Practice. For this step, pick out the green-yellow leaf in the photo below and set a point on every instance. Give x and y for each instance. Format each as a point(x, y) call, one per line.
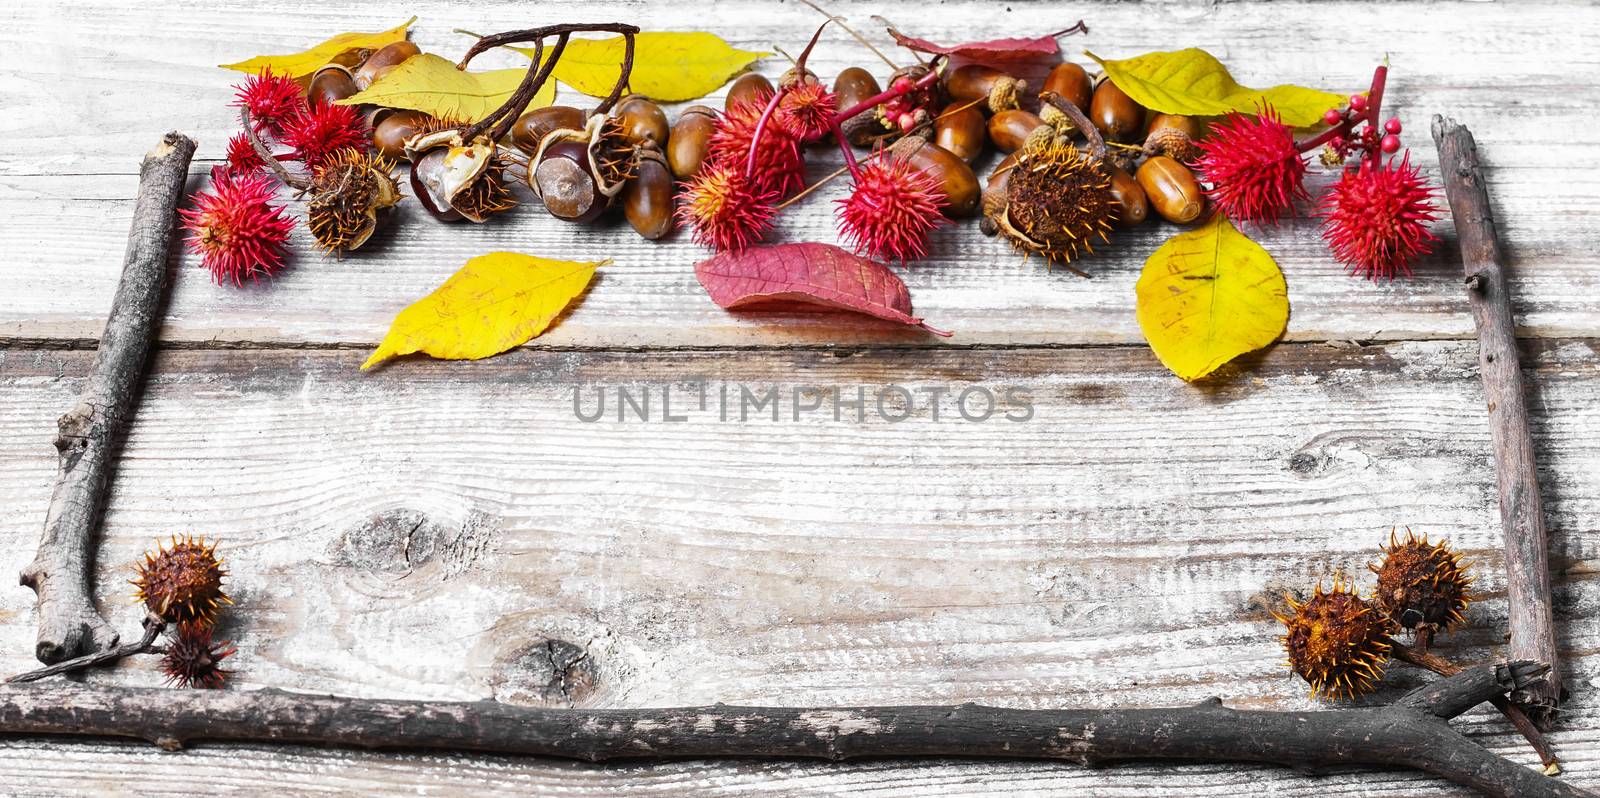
point(495, 302)
point(1209, 295)
point(304, 63)
point(667, 66)
point(432, 84)
point(1194, 83)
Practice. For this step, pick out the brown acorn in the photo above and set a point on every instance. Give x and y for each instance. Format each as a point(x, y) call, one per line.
point(690, 141)
point(647, 199)
point(182, 584)
point(346, 194)
point(852, 87)
point(531, 128)
point(332, 82)
point(1056, 201)
point(1422, 584)
point(1336, 641)
point(750, 87)
point(641, 119)
point(392, 131)
point(386, 58)
point(193, 659)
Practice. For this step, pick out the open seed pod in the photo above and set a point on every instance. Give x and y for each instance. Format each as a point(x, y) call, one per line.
point(456, 179)
point(576, 173)
point(347, 193)
point(1056, 202)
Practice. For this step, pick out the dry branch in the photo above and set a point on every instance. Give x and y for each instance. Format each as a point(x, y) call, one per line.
point(1527, 555)
point(1412, 732)
point(89, 433)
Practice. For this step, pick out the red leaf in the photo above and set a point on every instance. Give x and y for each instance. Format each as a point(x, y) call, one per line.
point(998, 53)
point(817, 274)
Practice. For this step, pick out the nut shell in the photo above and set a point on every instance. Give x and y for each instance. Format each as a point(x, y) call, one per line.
point(647, 198)
point(533, 126)
point(1171, 189)
point(690, 141)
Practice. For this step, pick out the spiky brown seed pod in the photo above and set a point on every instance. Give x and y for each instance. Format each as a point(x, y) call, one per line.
point(182, 584)
point(1421, 583)
point(1057, 202)
point(1336, 641)
point(193, 659)
point(346, 195)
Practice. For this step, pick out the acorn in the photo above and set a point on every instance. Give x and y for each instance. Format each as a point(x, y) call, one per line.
point(182, 584)
point(962, 132)
point(379, 63)
point(1190, 126)
point(1071, 82)
point(1132, 205)
point(1009, 129)
point(852, 87)
point(390, 134)
point(347, 193)
point(1422, 584)
point(1115, 114)
point(690, 141)
point(987, 86)
point(750, 87)
point(956, 178)
point(1056, 201)
point(1337, 642)
point(533, 126)
point(647, 198)
point(791, 78)
point(332, 82)
point(1171, 189)
point(642, 120)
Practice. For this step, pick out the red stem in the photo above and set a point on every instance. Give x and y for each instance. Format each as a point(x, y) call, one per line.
point(1374, 104)
point(889, 94)
point(1348, 124)
point(844, 146)
point(761, 125)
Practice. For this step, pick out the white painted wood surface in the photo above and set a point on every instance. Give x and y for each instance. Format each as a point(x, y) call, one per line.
point(1119, 548)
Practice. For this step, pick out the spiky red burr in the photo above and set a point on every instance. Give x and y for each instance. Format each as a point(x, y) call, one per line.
point(236, 228)
point(725, 210)
point(271, 99)
point(318, 132)
point(1375, 219)
point(242, 156)
point(194, 659)
point(1254, 169)
point(806, 110)
point(891, 210)
point(778, 165)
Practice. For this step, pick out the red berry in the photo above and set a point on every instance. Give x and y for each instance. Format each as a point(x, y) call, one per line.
point(1338, 143)
point(1332, 117)
point(1358, 103)
point(1392, 126)
point(1390, 143)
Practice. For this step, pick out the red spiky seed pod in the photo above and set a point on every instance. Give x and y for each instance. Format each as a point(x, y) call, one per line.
point(271, 100)
point(779, 164)
point(183, 583)
point(317, 132)
point(891, 210)
point(236, 228)
point(1375, 219)
point(806, 110)
point(725, 211)
point(1422, 584)
point(1336, 641)
point(1254, 169)
point(193, 659)
point(242, 156)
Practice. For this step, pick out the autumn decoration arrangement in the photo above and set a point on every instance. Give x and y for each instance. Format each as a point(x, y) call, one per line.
point(363, 121)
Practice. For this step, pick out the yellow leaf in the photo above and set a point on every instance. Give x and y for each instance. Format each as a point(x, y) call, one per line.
point(301, 64)
point(1194, 83)
point(671, 67)
point(495, 302)
point(432, 84)
point(1209, 295)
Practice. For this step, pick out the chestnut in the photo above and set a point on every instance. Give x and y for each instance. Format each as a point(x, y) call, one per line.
point(647, 197)
point(642, 120)
point(961, 132)
point(330, 83)
point(690, 141)
point(1116, 115)
point(1072, 83)
point(1009, 129)
point(390, 134)
point(378, 64)
point(562, 179)
point(750, 87)
point(1171, 189)
point(533, 126)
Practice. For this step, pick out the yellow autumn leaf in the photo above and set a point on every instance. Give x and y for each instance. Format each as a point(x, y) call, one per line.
point(298, 65)
point(1194, 83)
point(1209, 295)
point(495, 302)
point(428, 83)
point(667, 66)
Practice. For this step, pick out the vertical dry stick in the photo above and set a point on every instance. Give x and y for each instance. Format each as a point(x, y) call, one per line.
point(89, 433)
point(1527, 556)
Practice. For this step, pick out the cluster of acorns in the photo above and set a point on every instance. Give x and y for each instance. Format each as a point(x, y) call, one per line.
point(1338, 641)
point(181, 584)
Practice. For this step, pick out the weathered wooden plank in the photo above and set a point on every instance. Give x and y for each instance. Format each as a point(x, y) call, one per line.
point(65, 202)
point(451, 531)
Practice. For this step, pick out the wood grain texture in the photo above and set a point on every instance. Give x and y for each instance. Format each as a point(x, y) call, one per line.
point(450, 531)
point(1478, 61)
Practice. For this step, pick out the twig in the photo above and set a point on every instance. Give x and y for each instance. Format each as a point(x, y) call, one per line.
point(1521, 517)
point(153, 626)
point(89, 433)
point(1422, 658)
point(1411, 733)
